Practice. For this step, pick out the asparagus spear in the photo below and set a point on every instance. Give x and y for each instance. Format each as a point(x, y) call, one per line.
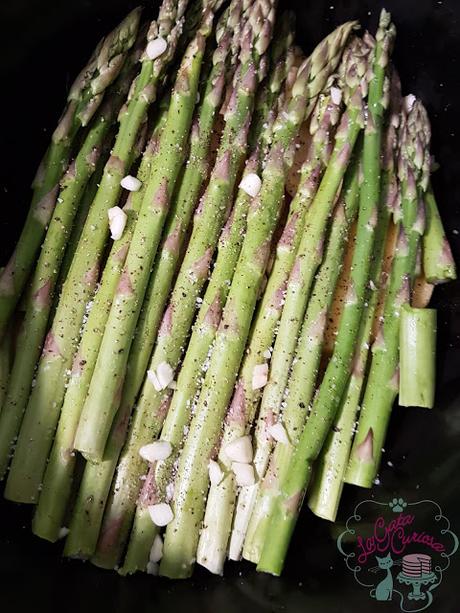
point(104, 394)
point(303, 373)
point(221, 497)
point(178, 317)
point(83, 100)
point(43, 285)
point(382, 382)
point(273, 300)
point(438, 262)
point(57, 481)
point(94, 488)
point(294, 479)
point(329, 473)
point(144, 531)
point(417, 346)
point(80, 217)
point(195, 175)
point(46, 399)
point(192, 476)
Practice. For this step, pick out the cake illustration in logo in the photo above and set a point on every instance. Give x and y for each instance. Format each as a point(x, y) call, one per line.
point(416, 572)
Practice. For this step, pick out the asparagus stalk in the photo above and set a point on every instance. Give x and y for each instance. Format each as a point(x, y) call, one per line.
point(195, 175)
point(57, 481)
point(103, 396)
point(417, 346)
point(144, 531)
point(82, 102)
point(47, 396)
point(304, 370)
point(307, 259)
point(329, 472)
point(97, 477)
point(382, 382)
point(43, 285)
point(178, 317)
point(80, 217)
point(272, 303)
point(438, 262)
point(192, 476)
point(221, 498)
point(293, 482)
point(5, 365)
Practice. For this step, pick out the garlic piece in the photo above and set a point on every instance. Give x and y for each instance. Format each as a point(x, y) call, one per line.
point(156, 47)
point(251, 184)
point(156, 552)
point(161, 514)
point(165, 374)
point(152, 568)
point(336, 95)
point(159, 450)
point(152, 377)
point(278, 432)
point(117, 222)
point(244, 473)
point(215, 472)
point(240, 449)
point(259, 376)
point(130, 183)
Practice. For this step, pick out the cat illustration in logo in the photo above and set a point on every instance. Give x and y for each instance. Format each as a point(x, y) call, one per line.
point(384, 589)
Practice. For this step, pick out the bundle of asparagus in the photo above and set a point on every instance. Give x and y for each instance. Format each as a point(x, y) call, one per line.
point(176, 340)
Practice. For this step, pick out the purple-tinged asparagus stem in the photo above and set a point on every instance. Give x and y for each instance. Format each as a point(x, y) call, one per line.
point(43, 285)
point(84, 98)
point(438, 262)
point(94, 488)
point(178, 317)
point(205, 327)
point(330, 468)
point(383, 379)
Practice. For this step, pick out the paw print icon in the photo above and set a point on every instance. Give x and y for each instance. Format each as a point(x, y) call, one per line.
point(397, 505)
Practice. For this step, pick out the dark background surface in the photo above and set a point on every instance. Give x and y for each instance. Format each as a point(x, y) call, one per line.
point(42, 47)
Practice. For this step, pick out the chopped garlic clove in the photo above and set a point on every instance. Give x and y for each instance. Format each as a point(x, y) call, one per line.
point(156, 47)
point(130, 183)
point(156, 552)
point(152, 568)
point(278, 432)
point(336, 95)
point(259, 376)
point(215, 472)
point(240, 449)
point(152, 377)
point(63, 532)
point(165, 374)
point(244, 473)
point(161, 514)
point(159, 450)
point(251, 184)
point(117, 222)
